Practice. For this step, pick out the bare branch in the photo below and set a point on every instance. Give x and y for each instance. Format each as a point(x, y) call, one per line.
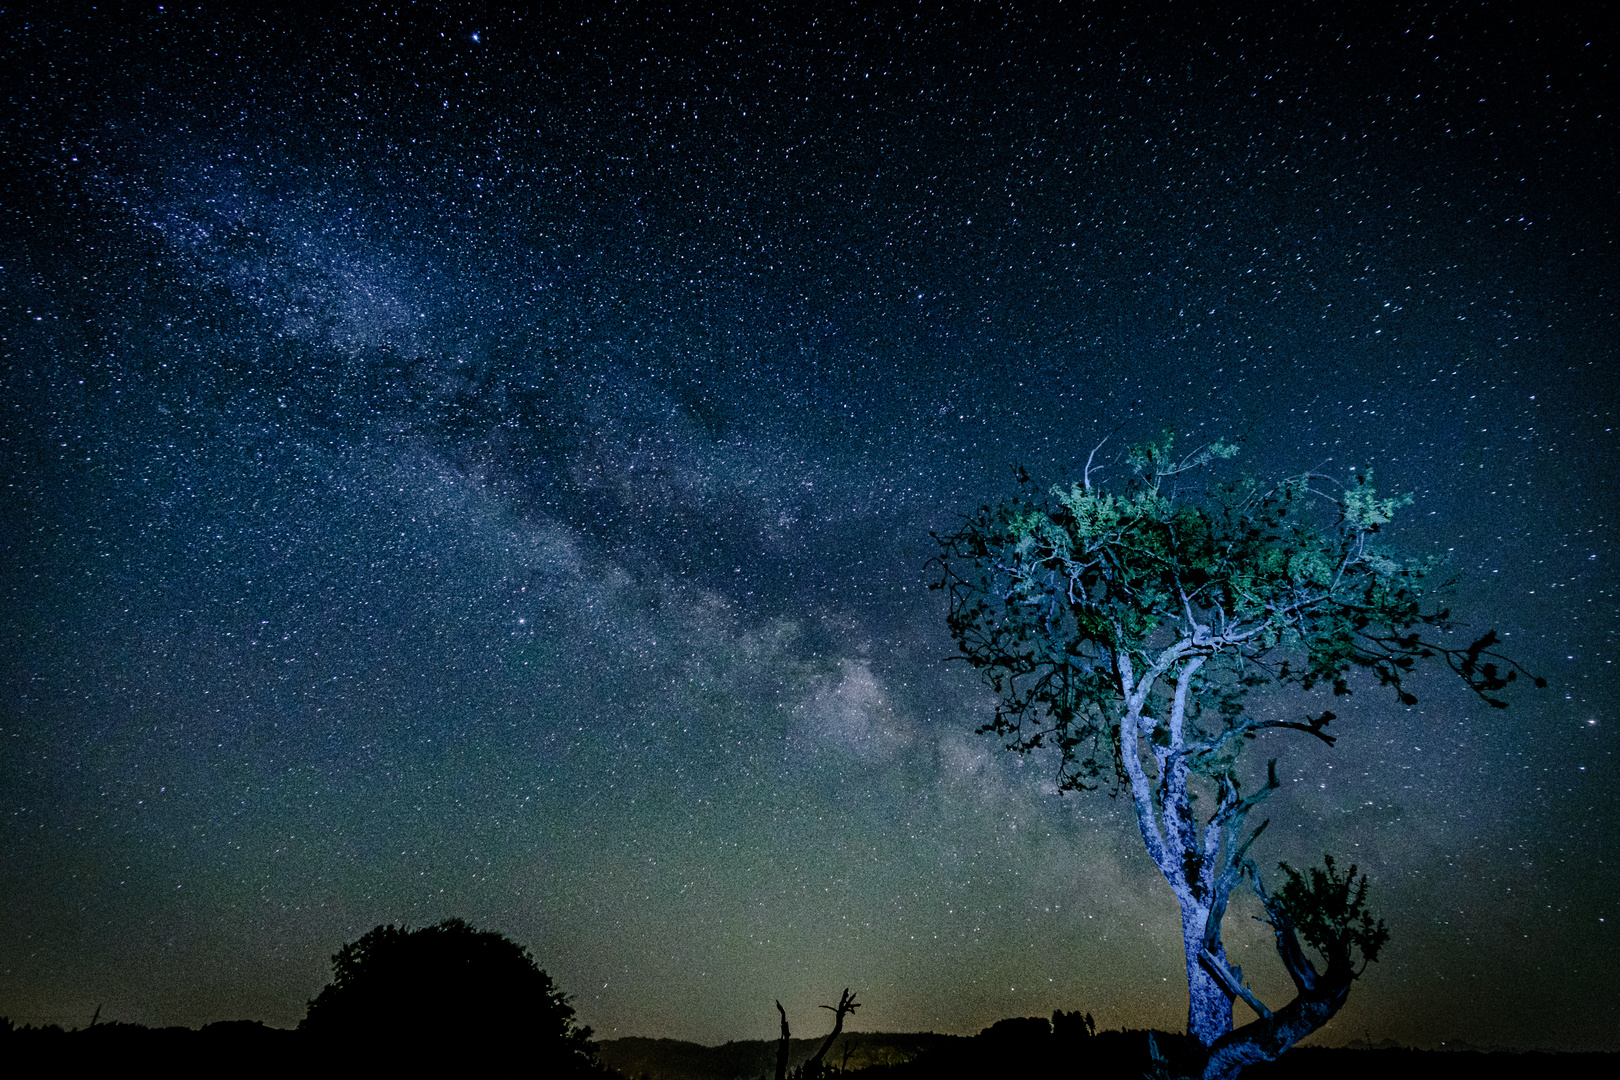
point(1312, 725)
point(1086, 477)
point(1289, 949)
point(1234, 986)
point(846, 1005)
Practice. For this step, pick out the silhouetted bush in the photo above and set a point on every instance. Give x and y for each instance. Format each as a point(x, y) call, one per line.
point(1017, 1031)
point(447, 990)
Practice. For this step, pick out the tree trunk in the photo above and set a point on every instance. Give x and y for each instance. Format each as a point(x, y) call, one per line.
point(1266, 1038)
point(1319, 994)
point(782, 1046)
point(1209, 1006)
point(1209, 1010)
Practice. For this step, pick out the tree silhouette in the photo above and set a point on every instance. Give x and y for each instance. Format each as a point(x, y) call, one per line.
point(846, 1005)
point(1127, 629)
point(400, 992)
point(814, 1069)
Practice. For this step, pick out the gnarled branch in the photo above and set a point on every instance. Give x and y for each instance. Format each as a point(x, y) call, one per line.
point(846, 1005)
point(1234, 985)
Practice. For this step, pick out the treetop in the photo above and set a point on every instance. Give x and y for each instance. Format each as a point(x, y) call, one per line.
point(1091, 601)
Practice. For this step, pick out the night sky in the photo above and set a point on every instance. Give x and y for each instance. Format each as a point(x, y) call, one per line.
point(457, 464)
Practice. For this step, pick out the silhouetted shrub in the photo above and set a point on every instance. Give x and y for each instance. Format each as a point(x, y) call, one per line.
point(447, 989)
point(1018, 1031)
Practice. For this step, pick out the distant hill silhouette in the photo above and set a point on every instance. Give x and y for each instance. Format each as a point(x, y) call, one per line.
point(1034, 1048)
point(672, 1059)
point(239, 1047)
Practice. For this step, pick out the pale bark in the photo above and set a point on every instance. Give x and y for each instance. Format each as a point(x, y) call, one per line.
point(1318, 997)
point(1202, 862)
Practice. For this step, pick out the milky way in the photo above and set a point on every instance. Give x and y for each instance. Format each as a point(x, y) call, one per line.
point(476, 466)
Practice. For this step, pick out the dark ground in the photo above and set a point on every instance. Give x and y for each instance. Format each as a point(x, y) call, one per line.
point(1108, 1054)
point(252, 1049)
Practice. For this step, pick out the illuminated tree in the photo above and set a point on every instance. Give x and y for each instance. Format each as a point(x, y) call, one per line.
point(1126, 629)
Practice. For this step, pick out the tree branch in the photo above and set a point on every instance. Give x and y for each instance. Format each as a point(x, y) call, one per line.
point(1224, 827)
point(846, 1004)
point(1087, 475)
point(1311, 725)
point(1141, 792)
point(1234, 986)
point(1172, 760)
point(1289, 949)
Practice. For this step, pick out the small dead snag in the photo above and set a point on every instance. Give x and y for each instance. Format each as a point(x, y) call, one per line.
point(782, 1046)
point(846, 1005)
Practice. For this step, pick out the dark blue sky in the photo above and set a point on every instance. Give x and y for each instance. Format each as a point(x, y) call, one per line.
point(458, 464)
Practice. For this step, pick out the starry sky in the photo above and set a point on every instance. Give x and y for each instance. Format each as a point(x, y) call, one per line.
point(463, 464)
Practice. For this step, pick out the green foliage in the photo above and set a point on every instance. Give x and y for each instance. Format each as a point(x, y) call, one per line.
point(1055, 599)
point(1331, 914)
point(1365, 510)
point(1154, 456)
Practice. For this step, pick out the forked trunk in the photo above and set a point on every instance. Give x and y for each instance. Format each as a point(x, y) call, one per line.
point(1266, 1038)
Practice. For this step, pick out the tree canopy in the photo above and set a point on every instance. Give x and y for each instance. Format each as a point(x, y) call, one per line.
point(447, 985)
point(1127, 629)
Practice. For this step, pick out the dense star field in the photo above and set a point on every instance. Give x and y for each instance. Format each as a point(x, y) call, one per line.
point(457, 464)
